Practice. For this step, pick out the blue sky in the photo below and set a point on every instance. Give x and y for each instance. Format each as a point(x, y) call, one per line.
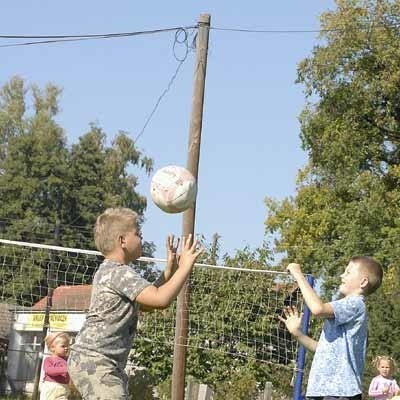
point(250, 140)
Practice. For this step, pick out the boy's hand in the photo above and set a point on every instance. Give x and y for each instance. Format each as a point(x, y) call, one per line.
point(294, 269)
point(189, 252)
point(292, 320)
point(172, 257)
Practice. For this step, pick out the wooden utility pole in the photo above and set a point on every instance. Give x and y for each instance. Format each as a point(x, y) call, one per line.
point(182, 311)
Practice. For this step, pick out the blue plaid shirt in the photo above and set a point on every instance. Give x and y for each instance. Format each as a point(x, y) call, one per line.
point(338, 362)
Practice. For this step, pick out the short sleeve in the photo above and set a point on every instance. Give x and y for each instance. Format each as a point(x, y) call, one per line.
point(347, 309)
point(126, 282)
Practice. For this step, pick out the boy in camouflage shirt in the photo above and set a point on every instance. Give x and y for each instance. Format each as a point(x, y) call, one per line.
point(98, 358)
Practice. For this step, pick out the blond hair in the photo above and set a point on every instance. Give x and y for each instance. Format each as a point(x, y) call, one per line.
point(53, 337)
point(113, 223)
point(374, 271)
point(377, 360)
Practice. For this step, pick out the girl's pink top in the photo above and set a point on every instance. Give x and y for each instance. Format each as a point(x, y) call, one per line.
point(55, 370)
point(377, 386)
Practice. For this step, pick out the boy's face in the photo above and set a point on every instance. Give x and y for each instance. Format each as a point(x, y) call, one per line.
point(132, 244)
point(354, 280)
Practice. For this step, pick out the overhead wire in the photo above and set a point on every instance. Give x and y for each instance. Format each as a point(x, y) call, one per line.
point(75, 38)
point(245, 30)
point(297, 31)
point(181, 37)
point(50, 39)
point(72, 38)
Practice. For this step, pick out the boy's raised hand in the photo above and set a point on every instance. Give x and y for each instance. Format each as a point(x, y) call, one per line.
point(292, 320)
point(172, 246)
point(294, 269)
point(189, 252)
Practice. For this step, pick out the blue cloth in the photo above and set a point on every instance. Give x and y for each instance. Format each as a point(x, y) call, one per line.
point(338, 362)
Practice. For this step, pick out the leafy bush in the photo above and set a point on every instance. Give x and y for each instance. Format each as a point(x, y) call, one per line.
point(242, 385)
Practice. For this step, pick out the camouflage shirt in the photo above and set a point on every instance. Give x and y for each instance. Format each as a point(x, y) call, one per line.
point(111, 321)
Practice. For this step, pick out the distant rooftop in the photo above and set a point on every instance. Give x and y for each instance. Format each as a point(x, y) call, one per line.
point(67, 298)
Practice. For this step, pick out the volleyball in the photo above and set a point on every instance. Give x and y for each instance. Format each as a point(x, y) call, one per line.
point(173, 189)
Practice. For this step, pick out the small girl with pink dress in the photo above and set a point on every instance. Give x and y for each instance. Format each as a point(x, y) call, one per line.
point(384, 386)
point(56, 378)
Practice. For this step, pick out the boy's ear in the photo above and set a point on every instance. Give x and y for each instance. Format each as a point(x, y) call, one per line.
point(364, 282)
point(121, 240)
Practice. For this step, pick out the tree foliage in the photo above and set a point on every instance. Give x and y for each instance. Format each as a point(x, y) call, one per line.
point(51, 192)
point(347, 200)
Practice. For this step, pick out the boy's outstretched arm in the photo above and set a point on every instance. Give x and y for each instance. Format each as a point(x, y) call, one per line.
point(172, 257)
point(161, 297)
point(313, 301)
point(171, 265)
point(292, 321)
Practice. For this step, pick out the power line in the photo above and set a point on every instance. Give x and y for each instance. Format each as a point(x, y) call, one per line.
point(181, 38)
point(297, 31)
point(50, 39)
point(75, 38)
point(244, 30)
point(178, 40)
point(97, 35)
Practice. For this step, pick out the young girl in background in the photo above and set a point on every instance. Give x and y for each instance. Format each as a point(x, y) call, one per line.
point(56, 377)
point(384, 386)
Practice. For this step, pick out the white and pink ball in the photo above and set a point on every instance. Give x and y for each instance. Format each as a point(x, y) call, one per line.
point(173, 189)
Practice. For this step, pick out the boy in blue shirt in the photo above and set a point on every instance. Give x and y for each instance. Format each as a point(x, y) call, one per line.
point(338, 363)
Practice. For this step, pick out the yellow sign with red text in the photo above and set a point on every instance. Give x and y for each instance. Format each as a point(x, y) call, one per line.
point(57, 321)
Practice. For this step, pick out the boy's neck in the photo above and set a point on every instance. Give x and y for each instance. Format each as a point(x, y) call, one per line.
point(116, 256)
point(355, 293)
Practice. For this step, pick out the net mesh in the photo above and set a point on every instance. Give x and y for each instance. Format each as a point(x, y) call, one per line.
point(232, 310)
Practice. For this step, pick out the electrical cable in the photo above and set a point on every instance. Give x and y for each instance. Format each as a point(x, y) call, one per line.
point(75, 38)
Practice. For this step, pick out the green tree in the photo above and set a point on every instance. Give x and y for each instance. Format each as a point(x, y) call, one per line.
point(347, 200)
point(50, 191)
point(101, 177)
point(33, 164)
point(12, 109)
